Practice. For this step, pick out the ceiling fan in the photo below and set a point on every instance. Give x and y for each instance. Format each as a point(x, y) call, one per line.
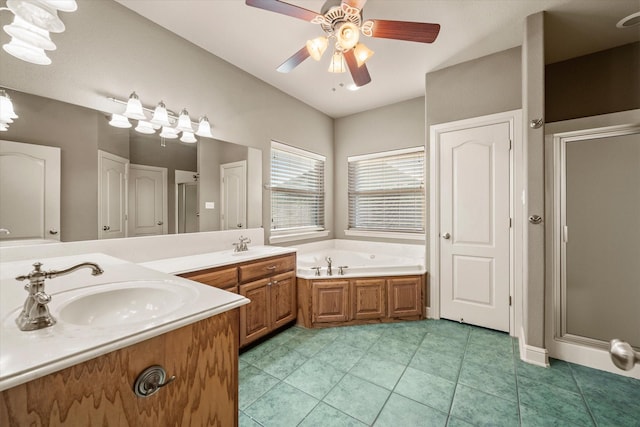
point(342, 20)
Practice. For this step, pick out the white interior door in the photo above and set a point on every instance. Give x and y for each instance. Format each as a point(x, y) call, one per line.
point(112, 195)
point(474, 225)
point(29, 191)
point(233, 194)
point(148, 205)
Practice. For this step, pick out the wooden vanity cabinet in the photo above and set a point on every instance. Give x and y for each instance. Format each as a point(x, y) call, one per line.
point(99, 392)
point(222, 277)
point(271, 286)
point(336, 302)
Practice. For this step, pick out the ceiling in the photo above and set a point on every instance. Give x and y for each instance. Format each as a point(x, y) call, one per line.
point(257, 40)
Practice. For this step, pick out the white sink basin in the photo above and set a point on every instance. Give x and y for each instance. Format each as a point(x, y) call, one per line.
point(121, 304)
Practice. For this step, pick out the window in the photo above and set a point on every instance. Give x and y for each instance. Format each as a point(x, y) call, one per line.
point(297, 190)
point(387, 192)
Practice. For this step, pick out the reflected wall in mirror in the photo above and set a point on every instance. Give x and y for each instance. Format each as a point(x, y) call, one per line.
point(81, 132)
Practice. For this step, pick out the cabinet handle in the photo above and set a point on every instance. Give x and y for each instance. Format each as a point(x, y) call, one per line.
point(151, 380)
point(271, 267)
point(274, 282)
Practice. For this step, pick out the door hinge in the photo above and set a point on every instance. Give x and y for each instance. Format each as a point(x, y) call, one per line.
point(509, 300)
point(510, 144)
point(510, 222)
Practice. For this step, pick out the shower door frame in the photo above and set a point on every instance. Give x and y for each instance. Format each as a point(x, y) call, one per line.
point(560, 344)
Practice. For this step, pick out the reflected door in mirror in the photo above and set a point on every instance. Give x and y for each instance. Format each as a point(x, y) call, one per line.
point(29, 191)
point(148, 205)
point(112, 196)
point(233, 193)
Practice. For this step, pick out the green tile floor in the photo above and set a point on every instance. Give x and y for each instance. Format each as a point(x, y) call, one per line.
point(427, 373)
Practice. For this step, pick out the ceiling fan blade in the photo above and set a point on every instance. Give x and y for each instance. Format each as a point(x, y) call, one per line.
point(421, 32)
point(283, 8)
point(359, 4)
point(360, 74)
point(295, 60)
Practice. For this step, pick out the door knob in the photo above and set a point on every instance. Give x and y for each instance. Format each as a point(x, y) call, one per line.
point(53, 231)
point(160, 222)
point(106, 228)
point(446, 236)
point(239, 225)
point(535, 219)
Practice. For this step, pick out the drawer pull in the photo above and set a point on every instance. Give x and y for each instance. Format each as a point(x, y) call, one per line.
point(271, 267)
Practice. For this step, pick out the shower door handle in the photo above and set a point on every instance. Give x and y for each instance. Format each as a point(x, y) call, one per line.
point(446, 236)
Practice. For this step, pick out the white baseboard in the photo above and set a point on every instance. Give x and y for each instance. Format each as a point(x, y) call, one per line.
point(534, 355)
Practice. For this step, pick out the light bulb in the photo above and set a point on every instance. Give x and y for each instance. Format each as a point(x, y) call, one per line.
point(204, 128)
point(348, 35)
point(134, 108)
point(184, 122)
point(160, 115)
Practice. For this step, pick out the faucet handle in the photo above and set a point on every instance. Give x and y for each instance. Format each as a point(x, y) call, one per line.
point(341, 269)
point(317, 269)
point(36, 270)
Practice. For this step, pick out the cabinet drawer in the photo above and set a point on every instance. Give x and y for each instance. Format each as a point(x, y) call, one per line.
point(222, 278)
point(256, 270)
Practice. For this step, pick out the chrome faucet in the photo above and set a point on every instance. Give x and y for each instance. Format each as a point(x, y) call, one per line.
point(4, 231)
point(242, 245)
point(35, 313)
point(329, 261)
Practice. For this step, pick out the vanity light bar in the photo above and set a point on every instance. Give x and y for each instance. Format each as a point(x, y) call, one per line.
point(163, 118)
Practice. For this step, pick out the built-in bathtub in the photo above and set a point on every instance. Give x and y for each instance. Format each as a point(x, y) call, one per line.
point(361, 258)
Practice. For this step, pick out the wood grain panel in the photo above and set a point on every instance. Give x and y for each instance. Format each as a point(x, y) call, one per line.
point(405, 296)
point(255, 317)
point(368, 299)
point(203, 357)
point(283, 299)
point(222, 278)
point(271, 266)
point(330, 299)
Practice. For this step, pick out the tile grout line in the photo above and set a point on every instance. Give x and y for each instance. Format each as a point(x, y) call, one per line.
point(455, 389)
point(584, 399)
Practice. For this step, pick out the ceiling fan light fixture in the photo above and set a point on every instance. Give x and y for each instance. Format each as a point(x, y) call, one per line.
point(7, 114)
point(362, 53)
point(317, 46)
point(337, 64)
point(134, 108)
point(348, 35)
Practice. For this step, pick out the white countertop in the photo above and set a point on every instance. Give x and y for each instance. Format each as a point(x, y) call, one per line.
point(25, 356)
point(189, 263)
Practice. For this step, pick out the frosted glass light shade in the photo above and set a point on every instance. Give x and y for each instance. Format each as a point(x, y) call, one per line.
point(184, 122)
point(169, 133)
point(40, 14)
point(145, 127)
point(348, 35)
point(29, 34)
point(160, 115)
point(362, 53)
point(134, 108)
point(62, 5)
point(188, 137)
point(316, 47)
point(204, 128)
point(337, 64)
point(119, 121)
point(26, 52)
point(7, 114)
point(4, 127)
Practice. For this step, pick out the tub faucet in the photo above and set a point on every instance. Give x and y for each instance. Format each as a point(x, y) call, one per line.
point(35, 313)
point(329, 261)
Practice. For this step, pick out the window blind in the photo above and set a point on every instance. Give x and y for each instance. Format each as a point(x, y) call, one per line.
point(387, 191)
point(297, 189)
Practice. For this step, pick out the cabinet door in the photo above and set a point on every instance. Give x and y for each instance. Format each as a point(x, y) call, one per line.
point(255, 316)
point(368, 298)
point(330, 301)
point(405, 296)
point(284, 304)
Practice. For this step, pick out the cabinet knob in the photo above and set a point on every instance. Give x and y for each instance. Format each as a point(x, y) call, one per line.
point(151, 380)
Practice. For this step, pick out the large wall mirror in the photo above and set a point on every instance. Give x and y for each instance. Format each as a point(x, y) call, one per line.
point(171, 187)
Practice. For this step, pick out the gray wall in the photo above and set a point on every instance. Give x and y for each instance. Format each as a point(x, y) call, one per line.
point(487, 85)
point(47, 122)
point(599, 83)
point(107, 50)
point(387, 128)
